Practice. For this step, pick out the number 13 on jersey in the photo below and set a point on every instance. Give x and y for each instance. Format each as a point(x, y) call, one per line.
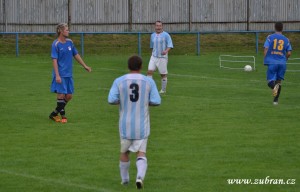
point(278, 44)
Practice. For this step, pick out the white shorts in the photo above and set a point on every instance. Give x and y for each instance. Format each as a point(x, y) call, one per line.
point(160, 63)
point(133, 145)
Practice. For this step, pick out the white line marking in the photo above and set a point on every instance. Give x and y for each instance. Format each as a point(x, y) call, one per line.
point(53, 181)
point(201, 76)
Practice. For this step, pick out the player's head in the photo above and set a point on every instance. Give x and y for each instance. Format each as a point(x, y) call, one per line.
point(278, 27)
point(62, 29)
point(158, 26)
point(135, 63)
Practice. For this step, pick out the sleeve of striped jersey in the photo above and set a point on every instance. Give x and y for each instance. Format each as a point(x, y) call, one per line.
point(114, 95)
point(169, 42)
point(151, 41)
point(154, 99)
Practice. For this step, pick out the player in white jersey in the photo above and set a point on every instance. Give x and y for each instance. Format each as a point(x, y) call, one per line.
point(160, 43)
point(134, 93)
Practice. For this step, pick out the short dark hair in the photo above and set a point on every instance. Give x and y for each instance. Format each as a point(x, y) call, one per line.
point(135, 63)
point(158, 21)
point(279, 26)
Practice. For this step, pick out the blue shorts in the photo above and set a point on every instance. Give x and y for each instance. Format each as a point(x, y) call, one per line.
point(65, 87)
point(276, 72)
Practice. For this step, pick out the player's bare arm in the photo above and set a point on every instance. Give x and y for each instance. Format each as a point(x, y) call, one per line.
point(265, 51)
point(81, 62)
point(166, 51)
point(55, 67)
point(288, 54)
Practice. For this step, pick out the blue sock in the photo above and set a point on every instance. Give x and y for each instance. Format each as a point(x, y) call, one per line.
point(271, 84)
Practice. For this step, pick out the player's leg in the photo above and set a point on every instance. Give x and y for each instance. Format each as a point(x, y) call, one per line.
point(150, 73)
point(151, 66)
point(70, 90)
point(61, 90)
point(164, 81)
point(60, 103)
point(277, 91)
point(163, 70)
point(124, 167)
point(67, 98)
point(280, 77)
point(124, 161)
point(141, 164)
point(272, 77)
point(271, 84)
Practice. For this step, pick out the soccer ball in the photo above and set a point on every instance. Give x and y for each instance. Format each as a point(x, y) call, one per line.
point(248, 68)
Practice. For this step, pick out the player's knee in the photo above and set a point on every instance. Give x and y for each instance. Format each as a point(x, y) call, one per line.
point(68, 97)
point(140, 154)
point(164, 77)
point(60, 96)
point(149, 73)
point(278, 81)
point(271, 84)
point(124, 156)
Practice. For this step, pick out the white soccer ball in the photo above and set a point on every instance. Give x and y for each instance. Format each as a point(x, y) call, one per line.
point(248, 68)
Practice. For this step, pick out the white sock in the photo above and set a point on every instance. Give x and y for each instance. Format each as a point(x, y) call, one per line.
point(150, 76)
point(124, 171)
point(141, 165)
point(164, 82)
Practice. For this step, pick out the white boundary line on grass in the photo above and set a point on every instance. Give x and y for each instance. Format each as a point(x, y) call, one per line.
point(53, 181)
point(174, 74)
point(293, 59)
point(199, 76)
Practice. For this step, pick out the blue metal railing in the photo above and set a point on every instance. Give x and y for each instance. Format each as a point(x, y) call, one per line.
point(139, 42)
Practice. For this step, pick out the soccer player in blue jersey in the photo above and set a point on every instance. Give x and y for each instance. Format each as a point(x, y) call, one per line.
point(160, 43)
point(62, 53)
point(134, 93)
point(277, 50)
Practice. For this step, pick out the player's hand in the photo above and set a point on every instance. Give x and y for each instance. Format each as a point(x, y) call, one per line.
point(58, 79)
point(164, 52)
point(88, 69)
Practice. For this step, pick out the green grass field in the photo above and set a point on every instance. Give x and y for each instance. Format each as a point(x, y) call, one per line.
point(213, 125)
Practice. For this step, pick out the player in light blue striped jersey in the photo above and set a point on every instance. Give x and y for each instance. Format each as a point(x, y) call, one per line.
point(160, 43)
point(277, 50)
point(134, 93)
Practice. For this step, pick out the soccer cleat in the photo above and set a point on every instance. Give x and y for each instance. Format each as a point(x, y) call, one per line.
point(139, 183)
point(162, 92)
point(275, 101)
point(275, 90)
point(125, 183)
point(55, 118)
point(64, 120)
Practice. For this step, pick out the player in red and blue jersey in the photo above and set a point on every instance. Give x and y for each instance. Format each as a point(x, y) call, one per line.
point(277, 50)
point(62, 53)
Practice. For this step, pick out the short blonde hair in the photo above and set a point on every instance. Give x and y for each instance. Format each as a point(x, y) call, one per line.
point(60, 27)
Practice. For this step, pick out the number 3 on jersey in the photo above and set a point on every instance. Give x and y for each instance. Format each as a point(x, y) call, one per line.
point(134, 96)
point(278, 44)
